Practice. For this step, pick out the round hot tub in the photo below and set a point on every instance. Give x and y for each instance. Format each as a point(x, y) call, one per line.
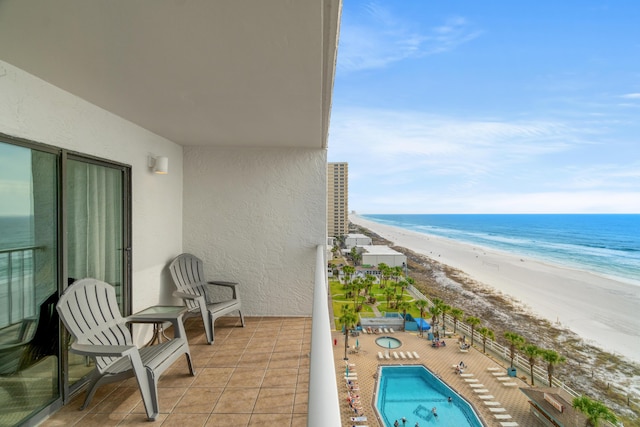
point(388, 342)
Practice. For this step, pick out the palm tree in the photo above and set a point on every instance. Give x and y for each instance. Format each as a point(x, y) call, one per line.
point(403, 285)
point(335, 250)
point(421, 305)
point(355, 255)
point(347, 320)
point(532, 352)
point(384, 273)
point(473, 322)
point(357, 286)
point(445, 309)
point(552, 358)
point(457, 314)
point(515, 341)
point(485, 333)
point(388, 293)
point(434, 311)
point(397, 272)
point(410, 281)
point(369, 280)
point(594, 411)
point(404, 306)
point(348, 273)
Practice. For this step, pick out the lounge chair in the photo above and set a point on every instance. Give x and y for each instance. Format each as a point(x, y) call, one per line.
point(392, 331)
point(386, 355)
point(187, 272)
point(416, 355)
point(89, 309)
point(386, 331)
point(380, 356)
point(409, 355)
point(369, 330)
point(402, 355)
point(395, 355)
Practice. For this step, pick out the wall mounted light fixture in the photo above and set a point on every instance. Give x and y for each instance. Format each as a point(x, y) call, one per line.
point(159, 165)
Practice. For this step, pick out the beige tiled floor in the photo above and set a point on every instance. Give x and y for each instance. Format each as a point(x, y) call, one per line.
point(252, 376)
point(440, 361)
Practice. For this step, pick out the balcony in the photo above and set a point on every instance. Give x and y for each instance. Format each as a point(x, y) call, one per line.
point(252, 376)
point(236, 95)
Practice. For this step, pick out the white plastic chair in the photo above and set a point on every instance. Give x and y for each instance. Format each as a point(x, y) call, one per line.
point(89, 310)
point(187, 272)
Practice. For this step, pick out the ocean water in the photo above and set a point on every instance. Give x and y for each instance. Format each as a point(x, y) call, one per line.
point(606, 244)
point(15, 232)
point(16, 267)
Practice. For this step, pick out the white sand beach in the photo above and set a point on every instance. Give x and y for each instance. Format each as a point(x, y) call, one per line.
point(603, 311)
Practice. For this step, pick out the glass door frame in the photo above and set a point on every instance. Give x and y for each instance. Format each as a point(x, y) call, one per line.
point(65, 393)
point(65, 155)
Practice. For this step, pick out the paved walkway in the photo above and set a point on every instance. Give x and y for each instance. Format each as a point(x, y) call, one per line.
point(495, 397)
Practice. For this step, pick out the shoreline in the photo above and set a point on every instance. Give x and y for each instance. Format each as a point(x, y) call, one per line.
point(601, 310)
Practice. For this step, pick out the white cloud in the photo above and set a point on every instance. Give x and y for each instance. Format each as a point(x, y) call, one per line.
point(410, 162)
point(631, 96)
point(407, 140)
point(380, 39)
point(541, 202)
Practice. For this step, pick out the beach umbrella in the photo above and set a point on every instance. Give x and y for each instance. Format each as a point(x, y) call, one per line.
point(357, 343)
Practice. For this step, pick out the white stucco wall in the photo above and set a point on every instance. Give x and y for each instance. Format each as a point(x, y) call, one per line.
point(35, 110)
point(255, 216)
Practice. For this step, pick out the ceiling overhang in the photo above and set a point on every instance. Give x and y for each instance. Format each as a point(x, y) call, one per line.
point(253, 73)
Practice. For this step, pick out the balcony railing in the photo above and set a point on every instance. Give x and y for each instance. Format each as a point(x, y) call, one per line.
point(324, 404)
point(17, 284)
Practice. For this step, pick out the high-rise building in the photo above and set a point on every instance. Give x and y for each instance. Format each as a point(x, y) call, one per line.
point(338, 199)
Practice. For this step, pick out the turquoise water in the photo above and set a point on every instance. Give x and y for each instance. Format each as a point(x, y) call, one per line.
point(607, 244)
point(388, 342)
point(412, 392)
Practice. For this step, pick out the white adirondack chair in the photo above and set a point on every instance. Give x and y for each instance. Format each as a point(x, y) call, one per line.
point(188, 275)
point(89, 310)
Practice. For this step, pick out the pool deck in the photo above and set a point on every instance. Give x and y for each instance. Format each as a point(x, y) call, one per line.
point(496, 398)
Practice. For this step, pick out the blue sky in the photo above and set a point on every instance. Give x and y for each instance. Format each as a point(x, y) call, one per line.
point(474, 106)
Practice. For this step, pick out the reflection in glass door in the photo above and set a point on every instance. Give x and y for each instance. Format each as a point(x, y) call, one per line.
point(97, 244)
point(29, 333)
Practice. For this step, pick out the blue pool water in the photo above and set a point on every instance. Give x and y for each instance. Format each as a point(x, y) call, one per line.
point(412, 392)
point(388, 342)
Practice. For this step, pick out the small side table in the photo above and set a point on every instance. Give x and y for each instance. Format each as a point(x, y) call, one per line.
point(157, 315)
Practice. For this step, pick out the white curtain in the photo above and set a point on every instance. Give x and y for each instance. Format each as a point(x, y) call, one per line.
point(94, 223)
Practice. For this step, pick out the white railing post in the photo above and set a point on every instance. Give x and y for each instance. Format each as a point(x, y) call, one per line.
point(324, 404)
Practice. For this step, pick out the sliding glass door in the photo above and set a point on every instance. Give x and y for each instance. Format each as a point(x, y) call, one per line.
point(97, 242)
point(29, 267)
point(63, 216)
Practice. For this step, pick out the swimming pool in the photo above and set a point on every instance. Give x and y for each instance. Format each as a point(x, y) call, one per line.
point(388, 342)
point(413, 391)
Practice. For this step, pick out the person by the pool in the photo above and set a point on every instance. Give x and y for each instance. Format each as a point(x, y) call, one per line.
point(435, 412)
